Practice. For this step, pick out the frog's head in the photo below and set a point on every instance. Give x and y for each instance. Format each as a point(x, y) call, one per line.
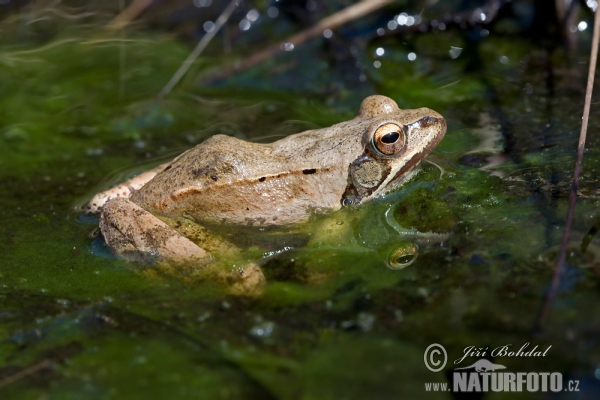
point(394, 143)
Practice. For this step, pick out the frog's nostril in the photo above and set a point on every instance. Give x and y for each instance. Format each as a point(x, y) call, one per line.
point(426, 121)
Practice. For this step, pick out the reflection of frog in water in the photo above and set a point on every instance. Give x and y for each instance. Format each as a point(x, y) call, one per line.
point(166, 214)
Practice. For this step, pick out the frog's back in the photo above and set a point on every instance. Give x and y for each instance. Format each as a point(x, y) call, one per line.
point(227, 180)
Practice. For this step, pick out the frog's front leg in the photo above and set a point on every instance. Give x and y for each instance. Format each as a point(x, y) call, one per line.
point(136, 235)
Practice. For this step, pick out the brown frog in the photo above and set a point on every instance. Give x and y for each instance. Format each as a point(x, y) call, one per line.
point(166, 214)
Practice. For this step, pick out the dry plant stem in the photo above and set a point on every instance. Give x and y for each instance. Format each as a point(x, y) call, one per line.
point(122, 55)
point(333, 21)
point(24, 373)
point(129, 14)
point(198, 50)
point(549, 300)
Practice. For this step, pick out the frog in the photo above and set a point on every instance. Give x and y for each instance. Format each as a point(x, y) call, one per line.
point(168, 214)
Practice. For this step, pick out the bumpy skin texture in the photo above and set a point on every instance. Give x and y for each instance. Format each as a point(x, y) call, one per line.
point(140, 236)
point(124, 190)
point(229, 181)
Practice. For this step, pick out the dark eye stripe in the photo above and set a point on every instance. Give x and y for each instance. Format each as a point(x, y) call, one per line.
point(423, 122)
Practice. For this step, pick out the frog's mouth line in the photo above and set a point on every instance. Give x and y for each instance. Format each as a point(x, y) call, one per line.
point(415, 159)
point(355, 193)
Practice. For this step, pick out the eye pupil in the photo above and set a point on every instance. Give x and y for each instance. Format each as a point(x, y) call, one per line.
point(391, 137)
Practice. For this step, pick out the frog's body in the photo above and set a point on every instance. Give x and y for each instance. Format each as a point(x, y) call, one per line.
point(229, 181)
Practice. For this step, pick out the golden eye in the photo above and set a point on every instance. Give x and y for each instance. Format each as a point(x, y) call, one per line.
point(403, 255)
point(389, 139)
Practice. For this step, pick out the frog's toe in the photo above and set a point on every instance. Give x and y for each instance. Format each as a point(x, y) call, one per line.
point(136, 235)
point(248, 280)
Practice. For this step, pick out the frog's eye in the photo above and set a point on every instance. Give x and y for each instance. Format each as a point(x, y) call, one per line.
point(389, 139)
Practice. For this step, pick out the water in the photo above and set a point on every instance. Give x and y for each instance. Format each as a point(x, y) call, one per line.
point(334, 321)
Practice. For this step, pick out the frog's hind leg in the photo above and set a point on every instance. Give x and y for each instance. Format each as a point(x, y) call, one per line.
point(136, 235)
point(123, 190)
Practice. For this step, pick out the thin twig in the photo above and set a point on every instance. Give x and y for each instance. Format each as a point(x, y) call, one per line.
point(549, 300)
point(25, 372)
point(198, 50)
point(129, 14)
point(333, 21)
